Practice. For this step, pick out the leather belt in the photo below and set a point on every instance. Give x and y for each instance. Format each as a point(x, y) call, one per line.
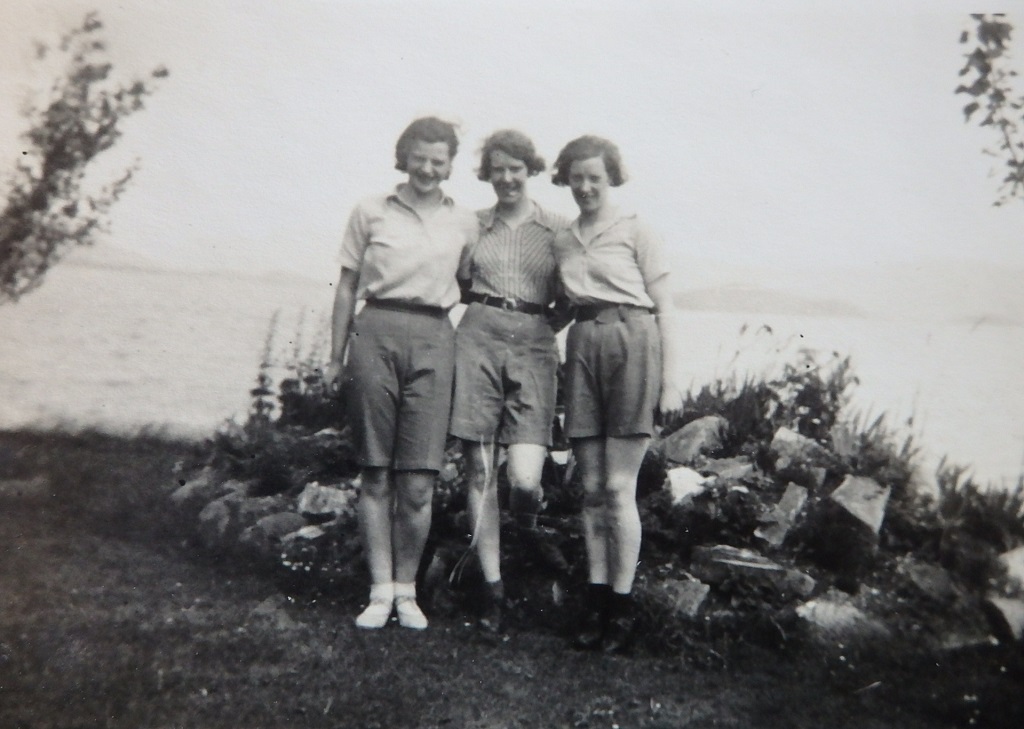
point(407, 307)
point(610, 312)
point(505, 303)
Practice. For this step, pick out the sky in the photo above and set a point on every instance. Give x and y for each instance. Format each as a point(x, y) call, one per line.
point(787, 134)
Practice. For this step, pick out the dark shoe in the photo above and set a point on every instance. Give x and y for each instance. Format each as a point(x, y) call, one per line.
point(621, 627)
point(543, 551)
point(492, 598)
point(594, 618)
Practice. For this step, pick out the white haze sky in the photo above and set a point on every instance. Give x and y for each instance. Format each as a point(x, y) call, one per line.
point(786, 133)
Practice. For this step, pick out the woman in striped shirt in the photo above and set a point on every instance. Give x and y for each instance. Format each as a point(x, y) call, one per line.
point(506, 361)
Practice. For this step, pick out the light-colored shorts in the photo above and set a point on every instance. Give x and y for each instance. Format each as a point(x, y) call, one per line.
point(398, 387)
point(612, 376)
point(506, 366)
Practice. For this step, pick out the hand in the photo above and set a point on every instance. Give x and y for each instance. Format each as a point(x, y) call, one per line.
point(332, 376)
point(670, 405)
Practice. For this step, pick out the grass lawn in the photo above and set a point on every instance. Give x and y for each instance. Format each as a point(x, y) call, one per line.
point(109, 619)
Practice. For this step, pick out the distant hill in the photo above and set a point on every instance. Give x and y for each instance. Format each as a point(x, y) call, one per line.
point(936, 290)
point(761, 300)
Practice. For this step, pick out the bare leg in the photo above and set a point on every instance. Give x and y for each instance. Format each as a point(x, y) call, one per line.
point(376, 502)
point(623, 457)
point(525, 465)
point(482, 478)
point(590, 459)
point(411, 525)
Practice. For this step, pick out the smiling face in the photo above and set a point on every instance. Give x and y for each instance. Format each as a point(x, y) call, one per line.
point(428, 165)
point(589, 182)
point(508, 177)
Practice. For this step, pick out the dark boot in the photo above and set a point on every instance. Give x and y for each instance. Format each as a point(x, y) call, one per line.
point(593, 618)
point(492, 599)
point(618, 635)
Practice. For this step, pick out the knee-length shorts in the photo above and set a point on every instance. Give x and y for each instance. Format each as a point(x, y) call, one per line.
point(612, 376)
point(398, 387)
point(506, 365)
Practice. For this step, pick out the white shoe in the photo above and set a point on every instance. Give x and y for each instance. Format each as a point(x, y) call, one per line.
point(409, 613)
point(376, 614)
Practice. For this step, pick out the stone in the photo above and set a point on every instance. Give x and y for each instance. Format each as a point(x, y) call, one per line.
point(223, 520)
point(327, 501)
point(834, 618)
point(928, 580)
point(1013, 562)
point(684, 483)
point(716, 564)
point(683, 598)
point(1006, 615)
point(781, 519)
point(699, 437)
point(265, 536)
point(203, 489)
point(733, 469)
point(865, 498)
point(789, 448)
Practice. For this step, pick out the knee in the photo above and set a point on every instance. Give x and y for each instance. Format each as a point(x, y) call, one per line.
point(621, 494)
point(375, 483)
point(524, 480)
point(594, 500)
point(414, 498)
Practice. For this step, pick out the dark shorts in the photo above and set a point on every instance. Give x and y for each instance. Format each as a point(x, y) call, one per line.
point(612, 377)
point(506, 366)
point(398, 385)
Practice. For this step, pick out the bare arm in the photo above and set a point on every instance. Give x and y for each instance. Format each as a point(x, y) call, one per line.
point(671, 403)
point(341, 321)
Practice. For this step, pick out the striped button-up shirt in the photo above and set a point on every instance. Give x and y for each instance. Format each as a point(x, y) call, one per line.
point(516, 262)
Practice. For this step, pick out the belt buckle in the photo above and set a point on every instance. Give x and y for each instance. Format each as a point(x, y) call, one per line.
point(508, 303)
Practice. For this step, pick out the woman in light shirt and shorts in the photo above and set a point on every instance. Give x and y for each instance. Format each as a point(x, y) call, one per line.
point(620, 367)
point(400, 254)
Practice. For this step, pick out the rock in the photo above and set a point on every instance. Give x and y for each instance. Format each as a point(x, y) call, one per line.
point(222, 521)
point(34, 487)
point(1006, 615)
point(329, 502)
point(721, 562)
point(929, 580)
point(833, 618)
point(733, 469)
point(790, 447)
point(1013, 562)
point(682, 598)
point(839, 542)
point(781, 519)
point(699, 437)
point(264, 537)
point(684, 483)
point(203, 489)
point(865, 498)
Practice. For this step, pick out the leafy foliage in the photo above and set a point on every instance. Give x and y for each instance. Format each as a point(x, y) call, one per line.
point(47, 210)
point(989, 81)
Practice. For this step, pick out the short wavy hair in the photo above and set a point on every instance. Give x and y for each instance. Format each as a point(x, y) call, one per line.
point(588, 147)
point(515, 144)
point(427, 129)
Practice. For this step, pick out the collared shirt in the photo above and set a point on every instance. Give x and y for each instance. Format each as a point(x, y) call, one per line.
point(615, 266)
point(406, 255)
point(516, 262)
